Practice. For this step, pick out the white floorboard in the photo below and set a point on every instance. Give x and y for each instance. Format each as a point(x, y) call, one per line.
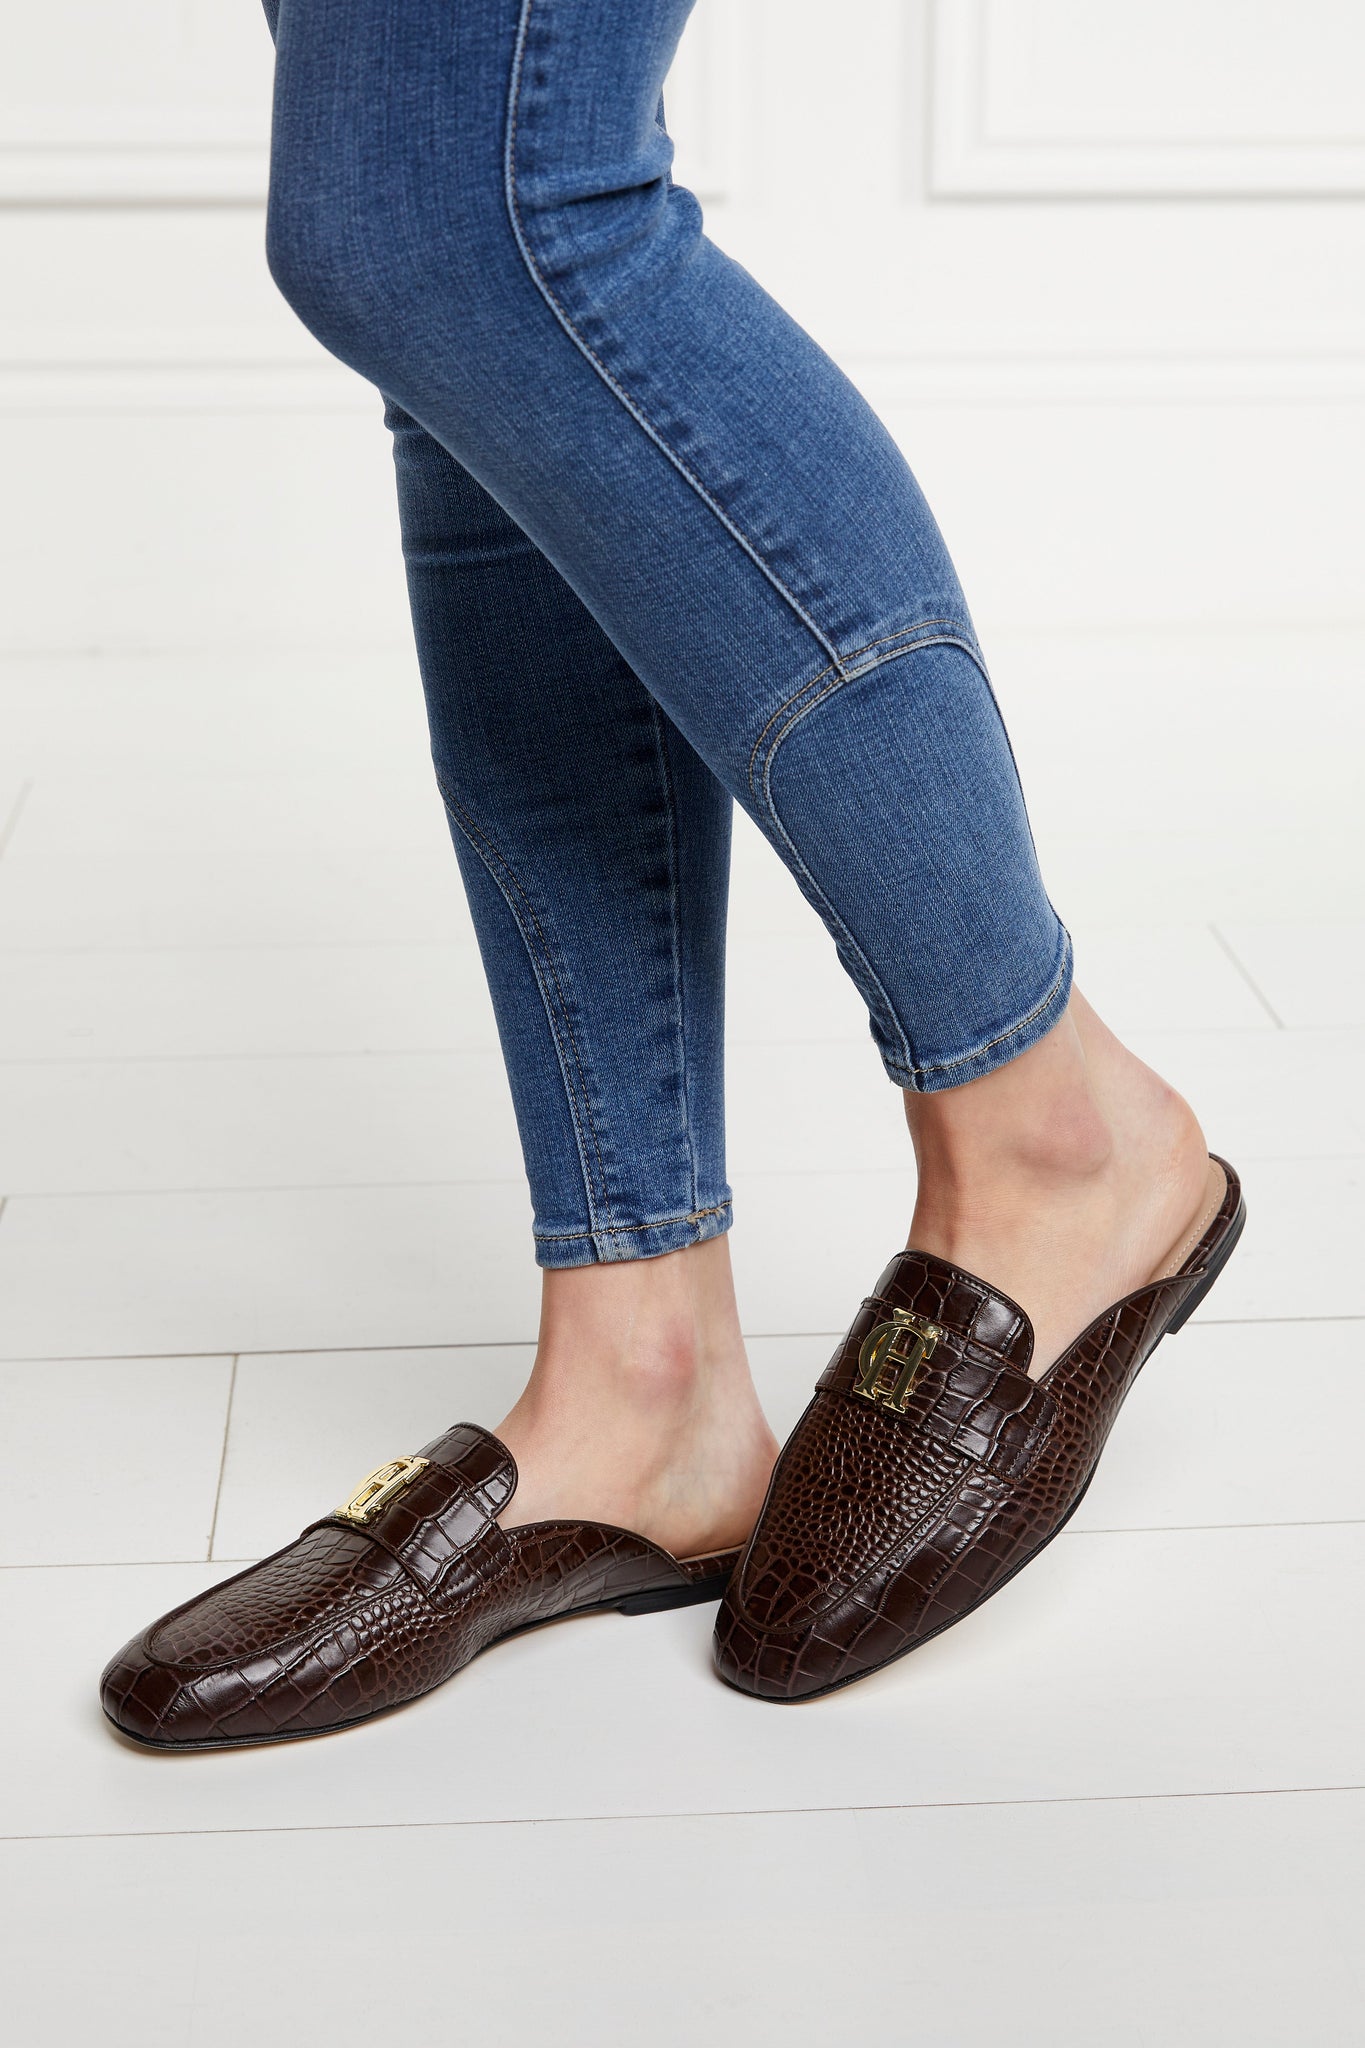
point(1199, 1921)
point(1312, 970)
point(316, 1120)
point(1164, 977)
point(1267, 1095)
point(110, 1275)
point(262, 1225)
point(139, 1445)
point(331, 892)
point(181, 712)
point(1300, 1252)
point(251, 1002)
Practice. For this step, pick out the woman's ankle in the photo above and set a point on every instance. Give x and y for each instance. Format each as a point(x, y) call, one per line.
point(650, 1331)
point(1035, 1127)
point(1062, 1179)
point(640, 1410)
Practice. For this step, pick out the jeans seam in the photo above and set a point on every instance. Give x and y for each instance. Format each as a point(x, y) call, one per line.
point(680, 997)
point(844, 676)
point(632, 1229)
point(852, 675)
point(581, 342)
point(832, 916)
point(489, 854)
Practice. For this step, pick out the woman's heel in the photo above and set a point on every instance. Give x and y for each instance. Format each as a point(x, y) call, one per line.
point(1211, 1272)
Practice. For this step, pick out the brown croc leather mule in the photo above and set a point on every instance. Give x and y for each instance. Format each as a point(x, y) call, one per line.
point(930, 1467)
point(379, 1601)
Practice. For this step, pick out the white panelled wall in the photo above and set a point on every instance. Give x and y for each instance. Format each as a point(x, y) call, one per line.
point(1101, 268)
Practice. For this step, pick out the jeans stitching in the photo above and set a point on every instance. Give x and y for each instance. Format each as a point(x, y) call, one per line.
point(933, 640)
point(852, 655)
point(674, 861)
point(910, 1070)
point(1021, 1024)
point(580, 341)
point(632, 1229)
point(831, 915)
point(833, 918)
point(480, 841)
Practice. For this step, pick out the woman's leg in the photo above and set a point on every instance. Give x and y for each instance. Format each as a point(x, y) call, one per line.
point(594, 846)
point(471, 205)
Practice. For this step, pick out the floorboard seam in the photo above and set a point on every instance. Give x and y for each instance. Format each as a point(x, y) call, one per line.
point(540, 1820)
point(1249, 979)
point(16, 811)
point(132, 1564)
point(1199, 1322)
point(222, 1461)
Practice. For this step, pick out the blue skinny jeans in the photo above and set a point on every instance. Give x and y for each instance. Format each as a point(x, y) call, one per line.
point(661, 557)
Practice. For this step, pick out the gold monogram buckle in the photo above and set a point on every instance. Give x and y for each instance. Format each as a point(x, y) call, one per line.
point(896, 1352)
point(378, 1489)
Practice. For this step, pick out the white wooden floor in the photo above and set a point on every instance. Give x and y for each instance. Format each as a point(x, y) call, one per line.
point(264, 1225)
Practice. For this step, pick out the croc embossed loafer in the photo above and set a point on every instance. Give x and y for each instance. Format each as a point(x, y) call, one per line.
point(930, 1467)
point(380, 1601)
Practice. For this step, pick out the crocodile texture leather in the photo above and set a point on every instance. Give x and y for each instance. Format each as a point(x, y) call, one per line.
point(882, 1528)
point(350, 1620)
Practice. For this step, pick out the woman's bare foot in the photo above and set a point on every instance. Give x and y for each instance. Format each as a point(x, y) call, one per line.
point(1064, 1179)
point(640, 1410)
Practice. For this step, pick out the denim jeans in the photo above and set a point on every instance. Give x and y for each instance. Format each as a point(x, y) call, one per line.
point(661, 556)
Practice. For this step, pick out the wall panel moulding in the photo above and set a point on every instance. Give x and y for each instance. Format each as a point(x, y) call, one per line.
point(1198, 98)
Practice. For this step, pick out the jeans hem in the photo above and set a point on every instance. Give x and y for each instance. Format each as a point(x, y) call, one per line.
point(1007, 1045)
point(632, 1240)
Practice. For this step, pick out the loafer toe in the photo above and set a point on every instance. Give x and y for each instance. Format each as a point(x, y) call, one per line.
point(139, 1695)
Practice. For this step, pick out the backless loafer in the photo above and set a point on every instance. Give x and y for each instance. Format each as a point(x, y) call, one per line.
point(930, 1468)
point(379, 1601)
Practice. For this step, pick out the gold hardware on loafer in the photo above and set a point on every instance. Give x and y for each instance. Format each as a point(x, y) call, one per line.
point(896, 1352)
point(378, 1489)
